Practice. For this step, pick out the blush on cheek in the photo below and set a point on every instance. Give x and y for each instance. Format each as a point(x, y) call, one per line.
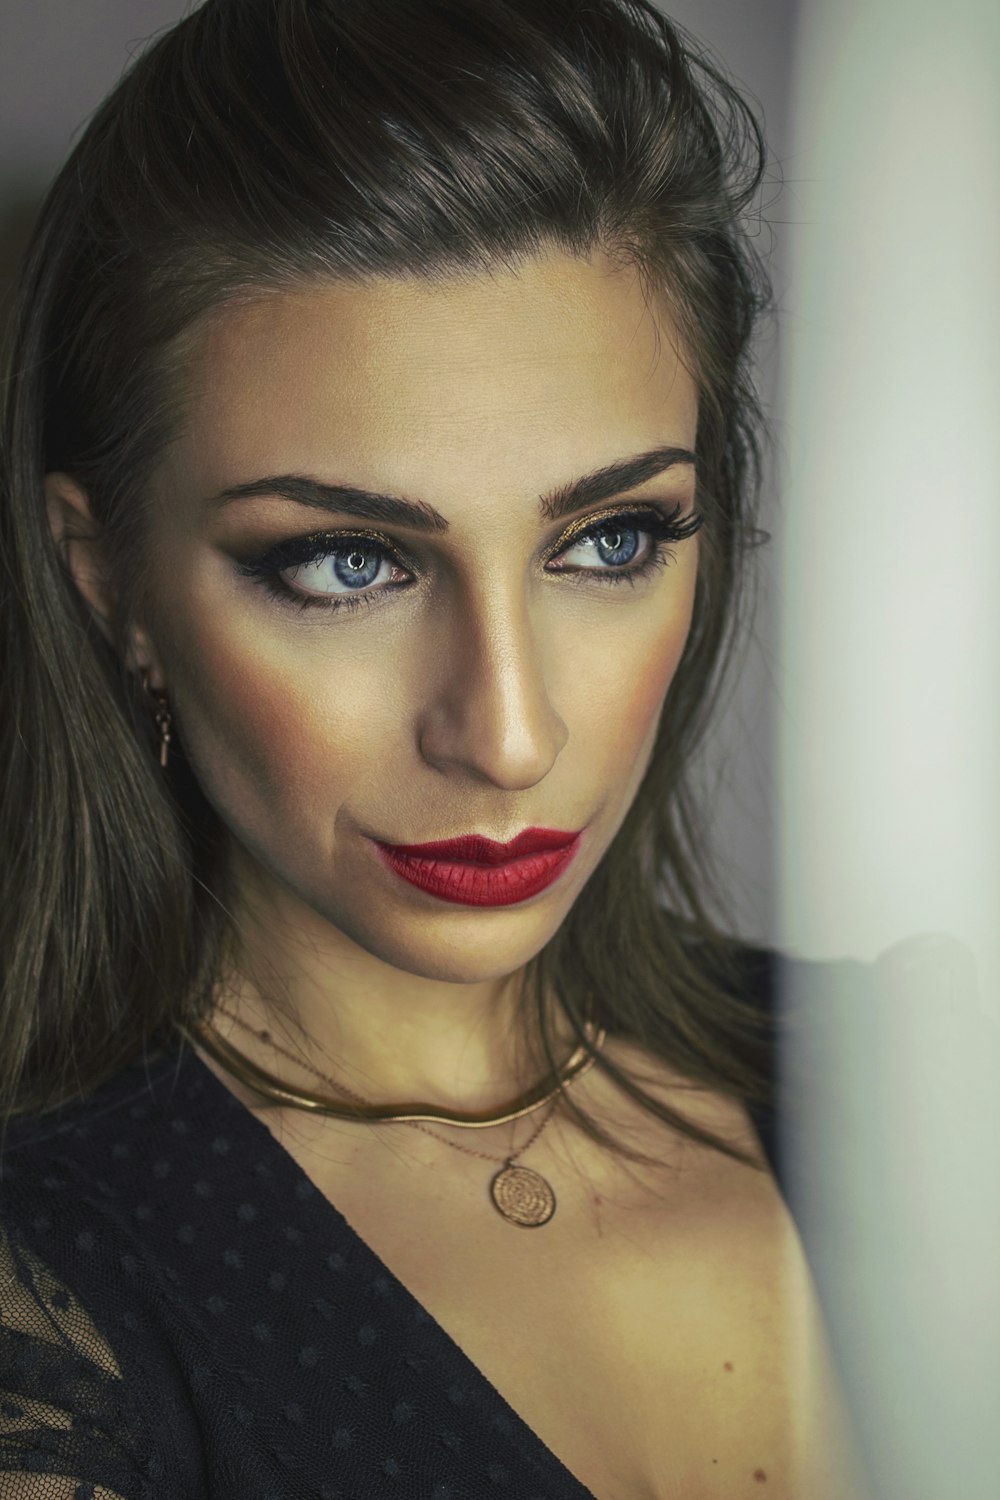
point(644, 686)
point(247, 727)
point(642, 707)
point(280, 739)
point(638, 690)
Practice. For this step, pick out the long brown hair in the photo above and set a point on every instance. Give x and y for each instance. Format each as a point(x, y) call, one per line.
point(268, 143)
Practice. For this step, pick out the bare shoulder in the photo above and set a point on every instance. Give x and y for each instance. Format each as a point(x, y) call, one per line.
point(721, 1300)
point(709, 1109)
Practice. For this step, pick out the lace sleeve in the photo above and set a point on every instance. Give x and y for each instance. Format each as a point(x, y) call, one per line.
point(64, 1422)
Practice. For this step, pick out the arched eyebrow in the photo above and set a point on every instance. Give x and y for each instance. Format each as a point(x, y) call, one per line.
point(369, 505)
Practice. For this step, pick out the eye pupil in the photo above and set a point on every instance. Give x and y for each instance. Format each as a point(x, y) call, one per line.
point(357, 565)
point(617, 539)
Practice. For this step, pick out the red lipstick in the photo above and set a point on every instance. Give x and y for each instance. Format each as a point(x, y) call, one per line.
point(478, 871)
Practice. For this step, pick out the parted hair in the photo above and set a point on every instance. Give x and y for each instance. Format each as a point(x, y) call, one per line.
point(268, 144)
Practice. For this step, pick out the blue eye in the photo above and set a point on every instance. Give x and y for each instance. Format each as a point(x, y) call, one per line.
point(354, 560)
point(354, 566)
point(612, 542)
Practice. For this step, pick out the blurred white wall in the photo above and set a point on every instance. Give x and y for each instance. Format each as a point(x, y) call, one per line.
point(889, 734)
point(891, 531)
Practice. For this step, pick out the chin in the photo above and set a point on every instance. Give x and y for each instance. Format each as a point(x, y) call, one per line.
point(466, 955)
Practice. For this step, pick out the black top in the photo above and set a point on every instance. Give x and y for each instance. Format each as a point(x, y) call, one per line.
point(183, 1314)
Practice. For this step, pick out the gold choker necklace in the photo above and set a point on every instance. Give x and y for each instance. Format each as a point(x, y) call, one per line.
point(521, 1195)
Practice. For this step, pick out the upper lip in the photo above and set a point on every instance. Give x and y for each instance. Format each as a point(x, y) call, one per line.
point(475, 848)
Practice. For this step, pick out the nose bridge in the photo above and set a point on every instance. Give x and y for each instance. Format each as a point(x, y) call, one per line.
point(489, 710)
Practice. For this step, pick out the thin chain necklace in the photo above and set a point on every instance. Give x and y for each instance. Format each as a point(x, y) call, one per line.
point(521, 1195)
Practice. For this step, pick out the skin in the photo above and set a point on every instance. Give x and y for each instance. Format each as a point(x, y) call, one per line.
point(494, 695)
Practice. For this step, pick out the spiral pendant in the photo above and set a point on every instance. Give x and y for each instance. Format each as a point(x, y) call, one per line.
point(523, 1196)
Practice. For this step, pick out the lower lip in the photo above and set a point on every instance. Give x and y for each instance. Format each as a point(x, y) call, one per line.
point(481, 885)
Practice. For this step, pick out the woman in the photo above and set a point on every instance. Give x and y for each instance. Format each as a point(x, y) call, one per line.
point(382, 454)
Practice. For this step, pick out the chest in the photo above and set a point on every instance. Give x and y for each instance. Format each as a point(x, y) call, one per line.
point(655, 1338)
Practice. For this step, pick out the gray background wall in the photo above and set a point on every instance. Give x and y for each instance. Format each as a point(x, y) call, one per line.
point(59, 57)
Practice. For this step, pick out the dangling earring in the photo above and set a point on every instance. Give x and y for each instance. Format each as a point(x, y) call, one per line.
point(162, 719)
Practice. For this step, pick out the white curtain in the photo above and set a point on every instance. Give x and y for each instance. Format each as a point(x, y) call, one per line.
point(889, 532)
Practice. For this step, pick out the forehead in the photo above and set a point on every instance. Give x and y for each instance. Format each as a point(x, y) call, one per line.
point(403, 382)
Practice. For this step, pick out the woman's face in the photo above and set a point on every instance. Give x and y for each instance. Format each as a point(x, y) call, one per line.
point(481, 660)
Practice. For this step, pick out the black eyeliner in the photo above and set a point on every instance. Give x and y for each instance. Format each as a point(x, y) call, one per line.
point(662, 525)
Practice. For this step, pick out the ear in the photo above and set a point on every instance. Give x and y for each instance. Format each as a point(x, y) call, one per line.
point(78, 536)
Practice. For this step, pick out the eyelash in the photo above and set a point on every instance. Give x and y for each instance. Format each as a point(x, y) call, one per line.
point(663, 526)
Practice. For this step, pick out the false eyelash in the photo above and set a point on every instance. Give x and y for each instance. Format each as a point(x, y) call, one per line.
point(662, 526)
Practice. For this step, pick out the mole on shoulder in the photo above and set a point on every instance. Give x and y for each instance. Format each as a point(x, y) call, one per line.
point(760, 1476)
point(727, 1365)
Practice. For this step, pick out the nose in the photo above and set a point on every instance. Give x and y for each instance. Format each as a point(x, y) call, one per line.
point(487, 709)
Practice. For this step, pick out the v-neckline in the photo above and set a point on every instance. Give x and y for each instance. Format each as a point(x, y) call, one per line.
point(332, 1223)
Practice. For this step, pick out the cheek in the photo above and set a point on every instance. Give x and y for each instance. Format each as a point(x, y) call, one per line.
point(640, 711)
point(654, 672)
point(627, 680)
point(273, 726)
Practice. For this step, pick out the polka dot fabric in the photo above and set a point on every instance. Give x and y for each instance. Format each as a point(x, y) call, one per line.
point(183, 1314)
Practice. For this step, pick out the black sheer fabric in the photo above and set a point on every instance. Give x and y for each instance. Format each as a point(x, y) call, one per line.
point(183, 1314)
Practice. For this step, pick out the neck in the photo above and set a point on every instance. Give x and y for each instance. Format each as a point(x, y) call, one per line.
point(374, 1028)
point(474, 1063)
point(388, 1036)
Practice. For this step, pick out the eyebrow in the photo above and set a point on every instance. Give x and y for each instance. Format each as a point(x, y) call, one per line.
point(369, 505)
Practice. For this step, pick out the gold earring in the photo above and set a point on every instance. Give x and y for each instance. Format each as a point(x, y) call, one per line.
point(163, 718)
